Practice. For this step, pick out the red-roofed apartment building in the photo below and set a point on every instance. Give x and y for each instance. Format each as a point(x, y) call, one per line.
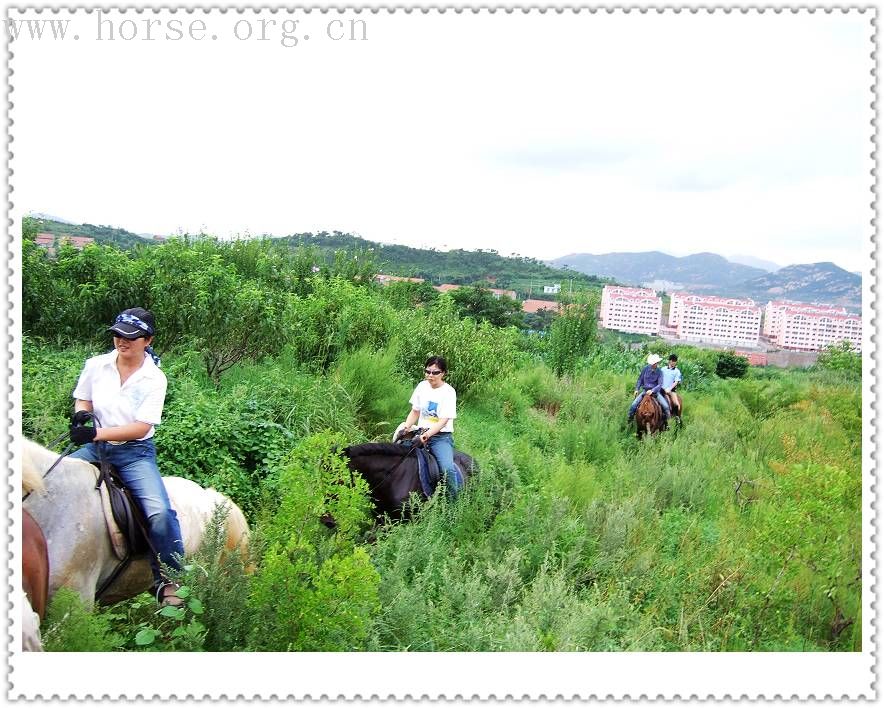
point(718, 320)
point(636, 310)
point(807, 327)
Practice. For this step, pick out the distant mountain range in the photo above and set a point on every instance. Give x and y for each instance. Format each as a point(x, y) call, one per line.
point(714, 274)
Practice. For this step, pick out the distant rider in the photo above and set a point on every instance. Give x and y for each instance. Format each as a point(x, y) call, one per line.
point(650, 382)
point(671, 381)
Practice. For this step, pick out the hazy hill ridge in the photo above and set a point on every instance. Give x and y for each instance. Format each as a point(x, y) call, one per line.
point(711, 273)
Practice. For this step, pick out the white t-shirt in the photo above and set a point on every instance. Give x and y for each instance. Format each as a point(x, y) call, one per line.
point(139, 400)
point(435, 404)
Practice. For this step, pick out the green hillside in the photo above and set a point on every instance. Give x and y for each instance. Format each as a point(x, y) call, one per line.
point(102, 234)
point(525, 275)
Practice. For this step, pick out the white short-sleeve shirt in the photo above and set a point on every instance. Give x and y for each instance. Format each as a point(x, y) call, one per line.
point(139, 400)
point(435, 404)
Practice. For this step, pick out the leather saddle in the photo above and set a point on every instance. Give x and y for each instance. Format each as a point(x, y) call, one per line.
point(125, 521)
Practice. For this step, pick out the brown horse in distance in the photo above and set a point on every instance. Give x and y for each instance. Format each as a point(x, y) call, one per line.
point(649, 417)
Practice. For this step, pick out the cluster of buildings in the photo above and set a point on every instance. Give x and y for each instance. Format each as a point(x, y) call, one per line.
point(736, 322)
point(47, 241)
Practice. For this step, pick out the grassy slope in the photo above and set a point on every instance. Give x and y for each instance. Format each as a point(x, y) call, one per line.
point(740, 532)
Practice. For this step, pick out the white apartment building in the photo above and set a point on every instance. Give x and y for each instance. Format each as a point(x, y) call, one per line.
point(718, 320)
point(807, 327)
point(773, 314)
point(634, 310)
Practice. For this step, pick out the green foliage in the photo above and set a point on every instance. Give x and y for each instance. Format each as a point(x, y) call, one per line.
point(335, 318)
point(481, 304)
point(809, 540)
point(152, 628)
point(49, 376)
point(218, 591)
point(573, 334)
point(378, 396)
point(315, 590)
point(404, 295)
point(730, 366)
point(841, 357)
point(69, 626)
point(476, 353)
point(739, 531)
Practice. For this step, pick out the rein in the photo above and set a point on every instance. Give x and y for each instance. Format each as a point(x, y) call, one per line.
point(392, 469)
point(66, 451)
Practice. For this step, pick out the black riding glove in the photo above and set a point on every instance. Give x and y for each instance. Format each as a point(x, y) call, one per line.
point(81, 435)
point(81, 417)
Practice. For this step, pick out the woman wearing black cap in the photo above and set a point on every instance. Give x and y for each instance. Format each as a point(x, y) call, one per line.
point(124, 391)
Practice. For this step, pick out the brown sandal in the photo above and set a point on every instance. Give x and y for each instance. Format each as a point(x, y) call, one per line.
point(166, 595)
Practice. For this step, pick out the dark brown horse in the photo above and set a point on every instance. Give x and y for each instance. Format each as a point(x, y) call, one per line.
point(34, 564)
point(391, 472)
point(649, 416)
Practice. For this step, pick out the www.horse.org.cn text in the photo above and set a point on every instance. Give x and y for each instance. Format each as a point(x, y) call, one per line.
point(119, 28)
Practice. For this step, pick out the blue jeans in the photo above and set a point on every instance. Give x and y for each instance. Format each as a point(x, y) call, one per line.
point(660, 398)
point(136, 463)
point(442, 447)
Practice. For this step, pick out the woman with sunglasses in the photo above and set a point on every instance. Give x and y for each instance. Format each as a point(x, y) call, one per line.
point(123, 393)
point(434, 407)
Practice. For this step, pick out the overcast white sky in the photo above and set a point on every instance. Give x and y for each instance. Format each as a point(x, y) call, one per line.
point(541, 135)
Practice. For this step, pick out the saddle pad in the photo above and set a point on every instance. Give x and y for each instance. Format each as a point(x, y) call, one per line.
point(430, 474)
point(428, 471)
point(117, 538)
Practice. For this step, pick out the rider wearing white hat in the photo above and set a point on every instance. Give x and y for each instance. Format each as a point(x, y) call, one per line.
point(650, 382)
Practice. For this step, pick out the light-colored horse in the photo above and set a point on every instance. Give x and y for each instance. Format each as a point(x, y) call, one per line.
point(81, 556)
point(30, 632)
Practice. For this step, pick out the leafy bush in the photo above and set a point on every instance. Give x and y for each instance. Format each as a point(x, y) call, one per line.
point(314, 590)
point(572, 334)
point(335, 318)
point(841, 357)
point(730, 365)
point(475, 353)
point(378, 396)
point(69, 626)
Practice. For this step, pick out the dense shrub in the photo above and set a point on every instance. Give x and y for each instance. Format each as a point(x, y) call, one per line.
point(69, 626)
point(334, 318)
point(475, 353)
point(842, 358)
point(730, 365)
point(573, 334)
point(314, 590)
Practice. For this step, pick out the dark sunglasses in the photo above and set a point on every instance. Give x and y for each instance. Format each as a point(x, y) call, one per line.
point(432, 372)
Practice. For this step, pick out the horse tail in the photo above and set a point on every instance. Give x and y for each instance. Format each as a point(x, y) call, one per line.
point(237, 530)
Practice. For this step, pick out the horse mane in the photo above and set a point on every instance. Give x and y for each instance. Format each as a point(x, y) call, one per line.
point(35, 461)
point(367, 449)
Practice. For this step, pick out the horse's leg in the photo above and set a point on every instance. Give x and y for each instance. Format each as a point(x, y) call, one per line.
point(30, 628)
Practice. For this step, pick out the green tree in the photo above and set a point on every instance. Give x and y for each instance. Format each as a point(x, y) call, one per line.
point(573, 333)
point(483, 306)
point(841, 357)
point(731, 365)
